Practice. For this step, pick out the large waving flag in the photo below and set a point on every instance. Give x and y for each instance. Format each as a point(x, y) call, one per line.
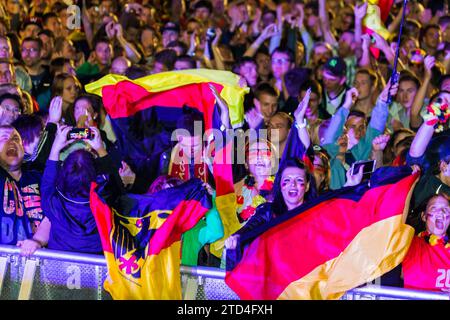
point(144, 111)
point(141, 237)
point(171, 91)
point(327, 246)
point(160, 98)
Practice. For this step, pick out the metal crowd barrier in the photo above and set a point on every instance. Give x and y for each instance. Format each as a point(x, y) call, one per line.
point(58, 275)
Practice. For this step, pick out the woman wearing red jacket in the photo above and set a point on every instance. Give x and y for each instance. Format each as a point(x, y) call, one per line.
point(427, 264)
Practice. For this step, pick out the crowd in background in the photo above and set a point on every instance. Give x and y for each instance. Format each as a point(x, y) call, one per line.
point(310, 67)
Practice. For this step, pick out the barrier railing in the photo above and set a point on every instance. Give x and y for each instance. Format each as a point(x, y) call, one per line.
point(57, 275)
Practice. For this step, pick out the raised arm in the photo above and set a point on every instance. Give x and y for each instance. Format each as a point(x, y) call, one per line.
point(308, 41)
point(300, 121)
point(380, 112)
point(336, 126)
point(415, 119)
point(267, 33)
point(224, 113)
point(421, 140)
point(360, 12)
point(325, 24)
point(129, 48)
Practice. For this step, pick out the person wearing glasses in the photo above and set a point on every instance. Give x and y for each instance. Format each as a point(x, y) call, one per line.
point(31, 52)
point(10, 108)
point(282, 60)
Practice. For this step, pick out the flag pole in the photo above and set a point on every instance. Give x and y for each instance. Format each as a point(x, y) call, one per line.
point(395, 77)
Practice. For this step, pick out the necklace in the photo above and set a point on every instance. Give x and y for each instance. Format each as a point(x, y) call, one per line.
point(434, 240)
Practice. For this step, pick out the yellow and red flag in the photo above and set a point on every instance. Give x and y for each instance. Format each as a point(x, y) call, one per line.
point(377, 13)
point(159, 99)
point(141, 237)
point(329, 245)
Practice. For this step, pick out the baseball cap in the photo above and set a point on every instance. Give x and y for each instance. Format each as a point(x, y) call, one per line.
point(336, 66)
point(32, 20)
point(172, 26)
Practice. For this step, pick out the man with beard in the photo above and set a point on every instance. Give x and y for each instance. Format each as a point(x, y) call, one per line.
point(22, 220)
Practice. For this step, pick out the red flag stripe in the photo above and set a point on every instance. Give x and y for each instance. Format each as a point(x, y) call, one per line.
point(126, 98)
point(299, 245)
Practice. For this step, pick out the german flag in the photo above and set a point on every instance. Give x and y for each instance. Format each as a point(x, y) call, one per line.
point(141, 237)
point(169, 92)
point(327, 246)
point(160, 98)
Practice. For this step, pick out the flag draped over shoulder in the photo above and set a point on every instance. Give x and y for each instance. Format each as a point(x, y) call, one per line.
point(327, 246)
point(141, 238)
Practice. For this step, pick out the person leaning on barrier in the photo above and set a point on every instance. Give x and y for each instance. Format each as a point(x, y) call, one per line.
point(22, 220)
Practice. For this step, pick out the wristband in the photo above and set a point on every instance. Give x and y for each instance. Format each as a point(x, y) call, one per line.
point(301, 125)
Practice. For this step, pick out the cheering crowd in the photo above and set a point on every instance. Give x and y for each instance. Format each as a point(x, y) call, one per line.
point(312, 68)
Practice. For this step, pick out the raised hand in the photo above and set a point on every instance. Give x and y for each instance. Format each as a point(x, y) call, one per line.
point(208, 188)
point(216, 95)
point(269, 31)
point(429, 63)
point(299, 113)
point(216, 40)
point(60, 142)
point(126, 174)
point(291, 20)
point(55, 110)
point(231, 242)
point(388, 90)
point(256, 21)
point(254, 118)
point(242, 82)
point(118, 30)
point(380, 42)
point(380, 142)
point(301, 15)
point(354, 179)
point(96, 142)
point(224, 113)
point(350, 98)
point(110, 30)
point(360, 11)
